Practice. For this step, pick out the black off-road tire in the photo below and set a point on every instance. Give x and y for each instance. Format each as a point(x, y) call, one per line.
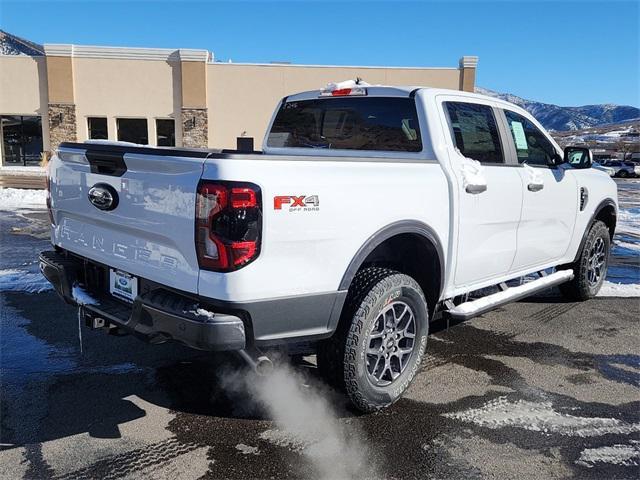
point(342, 359)
point(579, 289)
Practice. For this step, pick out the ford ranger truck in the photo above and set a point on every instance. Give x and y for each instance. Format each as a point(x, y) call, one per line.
point(369, 212)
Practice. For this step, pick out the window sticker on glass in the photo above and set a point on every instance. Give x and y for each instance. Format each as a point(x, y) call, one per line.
point(519, 136)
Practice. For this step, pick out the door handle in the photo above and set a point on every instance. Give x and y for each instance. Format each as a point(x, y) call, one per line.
point(535, 187)
point(475, 189)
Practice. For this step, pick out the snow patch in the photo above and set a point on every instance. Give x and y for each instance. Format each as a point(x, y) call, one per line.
point(540, 417)
point(472, 172)
point(628, 222)
point(19, 198)
point(611, 289)
point(331, 86)
point(627, 245)
point(12, 280)
point(535, 177)
point(284, 439)
point(626, 455)
point(82, 297)
point(247, 449)
point(200, 312)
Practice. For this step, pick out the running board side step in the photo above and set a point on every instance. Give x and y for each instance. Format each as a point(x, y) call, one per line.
point(467, 310)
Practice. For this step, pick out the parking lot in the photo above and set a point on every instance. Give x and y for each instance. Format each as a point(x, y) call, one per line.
point(538, 389)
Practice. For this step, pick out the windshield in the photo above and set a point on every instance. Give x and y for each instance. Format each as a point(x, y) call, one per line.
point(349, 123)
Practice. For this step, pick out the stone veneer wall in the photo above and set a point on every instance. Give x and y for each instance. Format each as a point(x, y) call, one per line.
point(195, 135)
point(62, 124)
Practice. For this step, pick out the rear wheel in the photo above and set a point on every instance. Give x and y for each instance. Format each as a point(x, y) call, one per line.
point(377, 349)
point(591, 267)
point(623, 174)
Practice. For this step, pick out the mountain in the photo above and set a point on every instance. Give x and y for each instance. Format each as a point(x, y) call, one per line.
point(554, 117)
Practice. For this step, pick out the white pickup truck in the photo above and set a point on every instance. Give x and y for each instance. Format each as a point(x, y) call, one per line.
point(370, 211)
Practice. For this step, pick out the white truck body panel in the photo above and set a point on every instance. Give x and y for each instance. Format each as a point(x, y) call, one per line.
point(150, 234)
point(309, 251)
point(558, 195)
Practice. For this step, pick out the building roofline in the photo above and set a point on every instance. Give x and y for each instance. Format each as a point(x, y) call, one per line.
point(126, 53)
point(306, 65)
point(200, 55)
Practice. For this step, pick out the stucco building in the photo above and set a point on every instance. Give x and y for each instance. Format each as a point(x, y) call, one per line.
point(55, 93)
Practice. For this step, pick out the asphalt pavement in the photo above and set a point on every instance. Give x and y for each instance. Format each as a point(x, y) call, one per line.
point(542, 388)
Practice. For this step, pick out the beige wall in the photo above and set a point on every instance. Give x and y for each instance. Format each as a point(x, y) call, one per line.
point(242, 98)
point(23, 89)
point(468, 79)
point(194, 84)
point(60, 79)
point(238, 97)
point(116, 88)
point(23, 85)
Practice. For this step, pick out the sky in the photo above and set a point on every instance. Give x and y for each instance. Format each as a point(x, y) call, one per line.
point(567, 53)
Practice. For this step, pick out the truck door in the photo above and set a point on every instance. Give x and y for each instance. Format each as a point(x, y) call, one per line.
point(550, 200)
point(489, 192)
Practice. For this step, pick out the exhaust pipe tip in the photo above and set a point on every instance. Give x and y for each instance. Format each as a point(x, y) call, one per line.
point(259, 363)
point(263, 367)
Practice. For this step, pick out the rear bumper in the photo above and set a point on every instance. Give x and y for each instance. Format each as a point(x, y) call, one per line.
point(156, 316)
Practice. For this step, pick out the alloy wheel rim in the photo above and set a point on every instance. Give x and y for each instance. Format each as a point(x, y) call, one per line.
point(390, 343)
point(596, 262)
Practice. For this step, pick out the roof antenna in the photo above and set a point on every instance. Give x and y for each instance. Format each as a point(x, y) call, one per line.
point(358, 80)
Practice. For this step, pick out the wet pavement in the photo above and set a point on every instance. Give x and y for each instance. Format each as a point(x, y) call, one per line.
point(542, 388)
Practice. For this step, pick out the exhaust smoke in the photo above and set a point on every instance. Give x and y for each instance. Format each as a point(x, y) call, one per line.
point(306, 422)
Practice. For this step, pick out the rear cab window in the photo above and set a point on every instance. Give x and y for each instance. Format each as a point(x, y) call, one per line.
point(388, 124)
point(474, 131)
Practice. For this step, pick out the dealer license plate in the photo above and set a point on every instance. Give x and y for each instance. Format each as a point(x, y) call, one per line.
point(123, 285)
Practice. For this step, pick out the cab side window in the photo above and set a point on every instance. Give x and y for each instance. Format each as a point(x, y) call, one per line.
point(475, 132)
point(532, 146)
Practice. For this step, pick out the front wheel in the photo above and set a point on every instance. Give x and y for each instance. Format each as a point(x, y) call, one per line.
point(591, 267)
point(382, 336)
point(623, 174)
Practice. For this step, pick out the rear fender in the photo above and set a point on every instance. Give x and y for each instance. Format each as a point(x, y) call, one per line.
point(385, 233)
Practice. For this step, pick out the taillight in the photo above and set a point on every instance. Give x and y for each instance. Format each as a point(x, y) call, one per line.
point(355, 91)
point(228, 225)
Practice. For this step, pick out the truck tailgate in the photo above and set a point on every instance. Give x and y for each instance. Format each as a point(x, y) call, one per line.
point(150, 232)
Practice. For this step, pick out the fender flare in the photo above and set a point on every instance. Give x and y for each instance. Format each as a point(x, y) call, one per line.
point(607, 202)
point(385, 233)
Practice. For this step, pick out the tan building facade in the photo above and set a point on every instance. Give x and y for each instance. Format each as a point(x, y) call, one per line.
point(163, 97)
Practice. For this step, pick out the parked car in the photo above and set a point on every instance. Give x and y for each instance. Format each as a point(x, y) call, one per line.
point(624, 169)
point(608, 170)
point(370, 212)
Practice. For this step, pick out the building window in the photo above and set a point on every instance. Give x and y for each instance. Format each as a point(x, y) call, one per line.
point(21, 139)
point(165, 132)
point(97, 128)
point(133, 130)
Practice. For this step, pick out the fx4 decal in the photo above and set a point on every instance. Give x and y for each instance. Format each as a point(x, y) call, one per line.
point(304, 203)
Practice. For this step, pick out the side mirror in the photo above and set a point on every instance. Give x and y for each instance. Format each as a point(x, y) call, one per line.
point(578, 157)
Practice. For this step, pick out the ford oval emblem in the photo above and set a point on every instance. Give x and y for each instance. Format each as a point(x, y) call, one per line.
point(103, 196)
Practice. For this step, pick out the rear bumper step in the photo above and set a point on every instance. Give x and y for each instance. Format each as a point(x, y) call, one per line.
point(156, 316)
point(467, 310)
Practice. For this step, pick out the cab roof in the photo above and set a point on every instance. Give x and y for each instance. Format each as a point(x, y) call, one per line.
point(372, 91)
point(392, 91)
